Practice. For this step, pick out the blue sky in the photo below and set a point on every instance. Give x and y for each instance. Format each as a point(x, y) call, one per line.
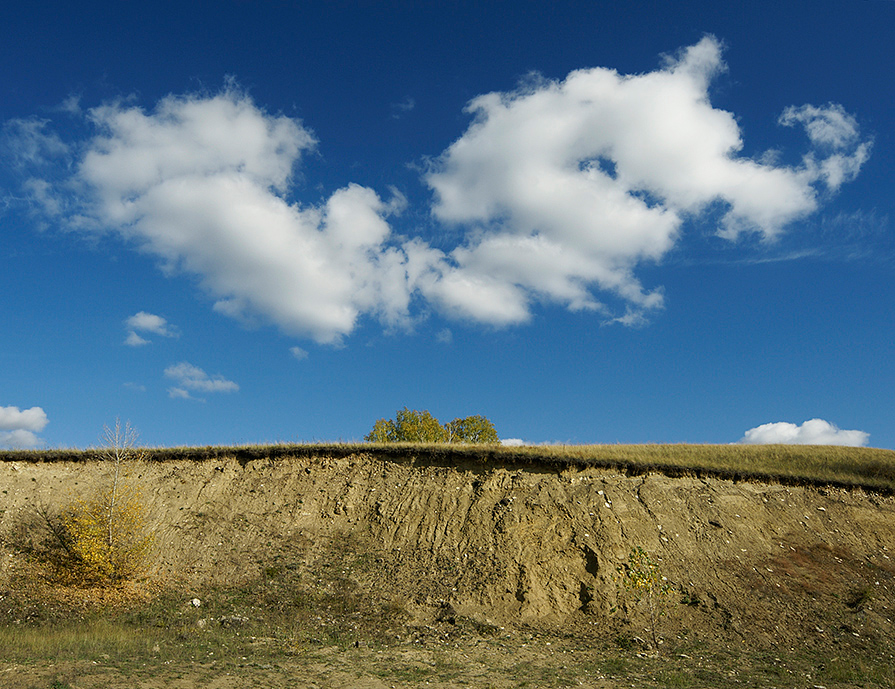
point(643, 222)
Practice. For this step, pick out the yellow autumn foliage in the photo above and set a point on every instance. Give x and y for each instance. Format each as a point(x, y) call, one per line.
point(642, 579)
point(104, 539)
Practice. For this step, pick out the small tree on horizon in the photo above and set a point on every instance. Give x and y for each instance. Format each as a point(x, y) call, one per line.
point(409, 426)
point(413, 426)
point(473, 429)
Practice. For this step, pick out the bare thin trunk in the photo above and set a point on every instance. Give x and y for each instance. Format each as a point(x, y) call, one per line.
point(119, 448)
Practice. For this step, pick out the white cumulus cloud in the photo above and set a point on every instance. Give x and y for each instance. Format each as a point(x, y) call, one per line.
point(201, 183)
point(134, 340)
point(836, 133)
point(147, 323)
point(812, 432)
point(192, 378)
point(33, 419)
point(561, 191)
point(571, 184)
point(19, 427)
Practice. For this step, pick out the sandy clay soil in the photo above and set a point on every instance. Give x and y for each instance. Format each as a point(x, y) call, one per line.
point(501, 576)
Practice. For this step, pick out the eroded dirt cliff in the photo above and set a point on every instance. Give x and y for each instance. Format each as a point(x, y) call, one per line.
point(511, 545)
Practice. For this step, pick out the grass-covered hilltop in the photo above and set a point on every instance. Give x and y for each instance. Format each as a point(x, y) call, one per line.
point(858, 467)
point(448, 565)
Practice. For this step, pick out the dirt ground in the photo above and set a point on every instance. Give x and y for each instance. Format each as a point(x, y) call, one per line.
point(522, 551)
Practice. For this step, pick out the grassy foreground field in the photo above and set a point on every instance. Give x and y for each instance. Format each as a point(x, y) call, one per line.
point(445, 566)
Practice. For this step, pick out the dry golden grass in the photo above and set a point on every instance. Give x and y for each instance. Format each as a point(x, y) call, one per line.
point(801, 464)
point(863, 467)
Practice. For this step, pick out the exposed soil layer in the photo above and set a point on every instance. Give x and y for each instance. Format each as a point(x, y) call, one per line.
point(760, 564)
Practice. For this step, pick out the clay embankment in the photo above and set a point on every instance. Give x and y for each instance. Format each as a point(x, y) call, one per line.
point(513, 545)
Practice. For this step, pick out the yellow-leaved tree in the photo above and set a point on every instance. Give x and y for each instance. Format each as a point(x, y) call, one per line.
point(412, 426)
point(641, 578)
point(102, 539)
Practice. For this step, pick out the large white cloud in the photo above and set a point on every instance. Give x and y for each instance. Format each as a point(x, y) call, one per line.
point(813, 432)
point(574, 183)
point(561, 189)
point(19, 427)
point(201, 183)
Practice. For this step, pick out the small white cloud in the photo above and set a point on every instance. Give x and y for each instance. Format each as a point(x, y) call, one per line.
point(41, 194)
point(134, 340)
point(136, 387)
point(192, 378)
point(72, 105)
point(180, 394)
point(445, 336)
point(19, 428)
point(830, 125)
point(298, 353)
point(12, 418)
point(813, 432)
point(147, 323)
point(833, 129)
point(20, 440)
point(513, 442)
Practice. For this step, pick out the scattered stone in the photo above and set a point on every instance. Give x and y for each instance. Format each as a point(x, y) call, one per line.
point(229, 621)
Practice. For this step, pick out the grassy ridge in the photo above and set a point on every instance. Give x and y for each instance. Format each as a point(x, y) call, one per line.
point(862, 467)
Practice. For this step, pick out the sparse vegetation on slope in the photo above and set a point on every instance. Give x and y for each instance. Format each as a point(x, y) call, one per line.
point(99, 538)
point(495, 566)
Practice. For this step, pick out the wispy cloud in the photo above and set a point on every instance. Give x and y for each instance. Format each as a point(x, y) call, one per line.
point(402, 108)
point(19, 427)
point(190, 378)
point(31, 142)
point(813, 432)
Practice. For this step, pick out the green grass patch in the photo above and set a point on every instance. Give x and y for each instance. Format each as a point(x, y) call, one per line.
point(92, 639)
